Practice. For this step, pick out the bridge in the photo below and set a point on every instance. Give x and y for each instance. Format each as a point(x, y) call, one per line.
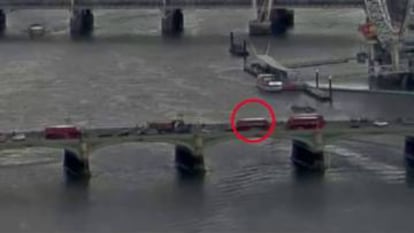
point(81, 23)
point(154, 4)
point(307, 146)
point(390, 17)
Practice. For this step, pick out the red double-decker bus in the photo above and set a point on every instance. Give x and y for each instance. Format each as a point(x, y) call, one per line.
point(252, 123)
point(306, 121)
point(62, 132)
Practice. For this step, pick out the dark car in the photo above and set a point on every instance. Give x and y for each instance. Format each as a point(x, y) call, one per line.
point(355, 123)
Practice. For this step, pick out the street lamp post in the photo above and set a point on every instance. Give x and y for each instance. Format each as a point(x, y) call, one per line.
point(330, 88)
point(317, 78)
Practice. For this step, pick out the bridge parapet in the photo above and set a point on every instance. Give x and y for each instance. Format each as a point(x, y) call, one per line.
point(189, 146)
point(127, 4)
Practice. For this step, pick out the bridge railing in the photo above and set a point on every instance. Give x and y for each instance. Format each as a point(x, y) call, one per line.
point(15, 4)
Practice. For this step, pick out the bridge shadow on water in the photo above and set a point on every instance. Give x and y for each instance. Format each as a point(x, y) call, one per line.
point(75, 190)
point(127, 38)
point(308, 193)
point(188, 195)
point(303, 176)
point(409, 175)
point(73, 202)
point(190, 182)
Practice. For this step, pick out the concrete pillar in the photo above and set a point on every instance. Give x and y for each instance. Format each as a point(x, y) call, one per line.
point(277, 23)
point(282, 20)
point(303, 157)
point(404, 81)
point(187, 161)
point(81, 23)
point(172, 22)
point(88, 22)
point(395, 56)
point(290, 19)
point(3, 22)
point(409, 150)
point(411, 65)
point(76, 166)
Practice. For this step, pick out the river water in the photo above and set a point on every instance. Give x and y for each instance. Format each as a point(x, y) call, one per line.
point(129, 74)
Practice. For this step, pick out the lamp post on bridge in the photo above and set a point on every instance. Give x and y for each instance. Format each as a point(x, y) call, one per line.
point(330, 89)
point(317, 78)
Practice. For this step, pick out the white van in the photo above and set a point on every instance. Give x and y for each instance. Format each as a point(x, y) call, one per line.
point(269, 83)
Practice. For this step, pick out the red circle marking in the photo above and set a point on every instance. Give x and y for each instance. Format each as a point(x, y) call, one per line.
point(249, 101)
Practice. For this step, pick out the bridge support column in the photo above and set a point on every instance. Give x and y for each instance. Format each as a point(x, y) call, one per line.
point(405, 78)
point(76, 165)
point(306, 158)
point(190, 161)
point(282, 20)
point(2, 22)
point(278, 22)
point(172, 22)
point(81, 23)
point(409, 151)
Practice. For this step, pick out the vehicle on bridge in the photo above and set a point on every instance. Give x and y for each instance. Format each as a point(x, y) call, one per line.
point(245, 124)
point(380, 123)
point(406, 121)
point(3, 137)
point(306, 121)
point(175, 126)
point(62, 132)
point(19, 137)
point(355, 123)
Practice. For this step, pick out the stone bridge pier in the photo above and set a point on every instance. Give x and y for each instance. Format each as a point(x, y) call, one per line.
point(190, 160)
point(2, 22)
point(269, 20)
point(81, 23)
point(306, 156)
point(76, 162)
point(279, 22)
point(75, 166)
point(172, 22)
point(409, 151)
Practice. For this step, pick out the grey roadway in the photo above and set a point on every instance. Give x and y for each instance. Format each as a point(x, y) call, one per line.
point(53, 4)
point(216, 133)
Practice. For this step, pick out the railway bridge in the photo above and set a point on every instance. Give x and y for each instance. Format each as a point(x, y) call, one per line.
point(81, 22)
point(390, 17)
point(307, 144)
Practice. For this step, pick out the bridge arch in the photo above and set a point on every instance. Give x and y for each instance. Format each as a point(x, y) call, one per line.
point(187, 158)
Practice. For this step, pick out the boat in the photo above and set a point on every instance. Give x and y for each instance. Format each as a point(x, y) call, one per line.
point(36, 30)
point(269, 83)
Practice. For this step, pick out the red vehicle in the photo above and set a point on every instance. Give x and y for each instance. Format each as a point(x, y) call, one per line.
point(306, 121)
point(252, 123)
point(175, 126)
point(62, 132)
point(368, 31)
